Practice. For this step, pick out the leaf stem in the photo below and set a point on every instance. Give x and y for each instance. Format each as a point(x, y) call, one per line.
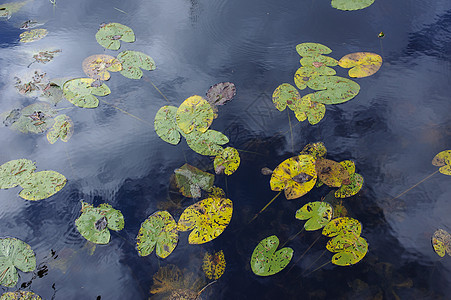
point(158, 90)
point(314, 263)
point(127, 113)
point(269, 203)
point(291, 131)
point(305, 252)
point(323, 265)
point(293, 237)
point(203, 289)
point(415, 185)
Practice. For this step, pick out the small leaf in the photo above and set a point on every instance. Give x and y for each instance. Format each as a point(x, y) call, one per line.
point(285, 94)
point(265, 261)
point(15, 172)
point(20, 295)
point(7, 9)
point(343, 226)
point(35, 118)
point(333, 89)
point(221, 93)
point(99, 66)
point(317, 150)
point(80, 92)
point(350, 250)
point(42, 185)
point(14, 253)
point(351, 4)
point(312, 49)
point(190, 180)
point(227, 162)
point(207, 143)
point(214, 265)
point(166, 126)
point(441, 242)
point(443, 160)
point(33, 35)
point(110, 35)
point(195, 113)
point(133, 62)
point(354, 186)
point(363, 64)
point(63, 128)
point(331, 172)
point(305, 74)
point(317, 213)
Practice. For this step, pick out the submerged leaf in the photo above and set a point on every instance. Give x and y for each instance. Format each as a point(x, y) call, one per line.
point(285, 94)
point(63, 129)
point(14, 253)
point(317, 150)
point(158, 230)
point(80, 92)
point(33, 35)
point(331, 172)
point(441, 242)
point(7, 9)
point(351, 4)
point(207, 143)
point(165, 125)
point(363, 64)
point(41, 185)
point(207, 218)
point(110, 35)
point(194, 114)
point(15, 172)
point(312, 49)
point(190, 180)
point(35, 118)
point(333, 89)
point(317, 213)
point(214, 265)
point(221, 93)
point(350, 250)
point(98, 66)
point(443, 160)
point(44, 57)
point(307, 73)
point(133, 62)
point(343, 226)
point(265, 261)
point(172, 284)
point(227, 162)
point(20, 295)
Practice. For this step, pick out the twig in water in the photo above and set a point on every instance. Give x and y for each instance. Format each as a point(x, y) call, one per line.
point(275, 197)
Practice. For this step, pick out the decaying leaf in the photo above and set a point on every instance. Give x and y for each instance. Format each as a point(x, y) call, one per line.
point(171, 283)
point(227, 162)
point(207, 143)
point(41, 185)
point(285, 94)
point(109, 35)
point(331, 172)
point(194, 114)
point(99, 66)
point(15, 172)
point(7, 9)
point(221, 93)
point(443, 160)
point(63, 128)
point(350, 250)
point(317, 150)
point(28, 24)
point(207, 218)
point(351, 4)
point(308, 109)
point(166, 126)
point(312, 49)
point(20, 295)
point(343, 227)
point(317, 213)
point(214, 265)
point(35, 118)
point(265, 261)
point(441, 242)
point(307, 73)
point(14, 253)
point(352, 186)
point(80, 92)
point(133, 62)
point(333, 89)
point(44, 57)
point(362, 64)
point(35, 82)
point(190, 180)
point(33, 35)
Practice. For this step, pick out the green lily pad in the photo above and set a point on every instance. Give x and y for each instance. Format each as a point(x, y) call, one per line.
point(35, 118)
point(317, 213)
point(207, 143)
point(95, 222)
point(265, 261)
point(312, 49)
point(41, 185)
point(165, 125)
point(14, 253)
point(333, 89)
point(158, 231)
point(15, 172)
point(285, 94)
point(343, 226)
point(20, 295)
point(194, 114)
point(319, 61)
point(351, 4)
point(110, 35)
point(317, 150)
point(350, 250)
point(304, 74)
point(33, 35)
point(227, 162)
point(63, 129)
point(190, 180)
point(354, 186)
point(133, 62)
point(443, 160)
point(311, 110)
point(81, 91)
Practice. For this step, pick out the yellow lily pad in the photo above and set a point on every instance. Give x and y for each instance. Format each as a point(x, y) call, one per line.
point(214, 265)
point(99, 66)
point(33, 35)
point(227, 162)
point(443, 160)
point(363, 64)
point(317, 150)
point(195, 113)
point(350, 250)
point(343, 226)
point(441, 242)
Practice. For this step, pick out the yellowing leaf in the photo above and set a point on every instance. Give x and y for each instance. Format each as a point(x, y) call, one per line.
point(443, 160)
point(441, 242)
point(41, 185)
point(317, 150)
point(363, 64)
point(214, 265)
point(207, 218)
point(20, 295)
point(195, 113)
point(319, 61)
point(317, 213)
point(227, 162)
point(285, 94)
point(351, 4)
point(98, 66)
point(332, 89)
point(350, 250)
point(330, 172)
point(33, 35)
point(343, 226)
point(63, 128)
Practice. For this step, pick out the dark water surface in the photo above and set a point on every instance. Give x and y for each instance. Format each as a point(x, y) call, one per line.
point(395, 126)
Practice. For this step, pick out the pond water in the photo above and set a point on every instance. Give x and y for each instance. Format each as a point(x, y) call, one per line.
point(394, 127)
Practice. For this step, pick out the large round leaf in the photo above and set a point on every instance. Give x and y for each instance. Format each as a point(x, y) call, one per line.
point(190, 180)
point(312, 49)
point(443, 160)
point(41, 185)
point(63, 128)
point(81, 91)
point(158, 230)
point(333, 89)
point(133, 62)
point(227, 162)
point(296, 175)
point(14, 253)
point(207, 143)
point(363, 64)
point(304, 74)
point(350, 250)
point(99, 66)
point(331, 172)
point(165, 125)
point(207, 218)
point(15, 172)
point(20, 295)
point(351, 4)
point(317, 213)
point(35, 118)
point(285, 94)
point(343, 226)
point(265, 261)
point(33, 35)
point(195, 113)
point(441, 242)
point(110, 35)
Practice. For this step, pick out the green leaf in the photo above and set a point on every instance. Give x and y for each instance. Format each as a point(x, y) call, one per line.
point(110, 35)
point(42, 185)
point(265, 261)
point(81, 91)
point(165, 125)
point(207, 143)
point(311, 110)
point(227, 162)
point(307, 73)
point(190, 180)
point(319, 61)
point(133, 62)
point(350, 250)
point(317, 213)
point(343, 226)
point(94, 222)
point(443, 160)
point(285, 94)
point(33, 35)
point(14, 253)
point(35, 118)
point(354, 186)
point(20, 295)
point(194, 114)
point(333, 89)
point(351, 4)
point(63, 129)
point(158, 230)
point(15, 172)
point(312, 49)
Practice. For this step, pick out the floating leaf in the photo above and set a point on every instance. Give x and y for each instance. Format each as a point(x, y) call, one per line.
point(214, 265)
point(304, 74)
point(14, 253)
point(350, 250)
point(311, 110)
point(331, 172)
point(33, 35)
point(351, 4)
point(80, 92)
point(334, 89)
point(41, 185)
point(110, 35)
point(443, 160)
point(195, 113)
point(207, 218)
point(158, 231)
point(312, 49)
point(317, 150)
point(7, 9)
point(20, 295)
point(354, 186)
point(207, 143)
point(133, 62)
point(285, 94)
point(165, 125)
point(343, 226)
point(265, 261)
point(35, 118)
point(441, 241)
point(227, 162)
point(363, 64)
point(99, 66)
point(63, 129)
point(44, 57)
point(15, 172)
point(317, 213)
point(190, 180)
point(296, 175)
point(319, 61)
point(95, 222)
point(30, 24)
point(221, 93)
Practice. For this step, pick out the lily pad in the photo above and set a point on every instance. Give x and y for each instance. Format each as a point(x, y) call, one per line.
point(319, 61)
point(80, 92)
point(351, 4)
point(190, 180)
point(285, 94)
point(35, 118)
point(20, 295)
point(317, 213)
point(333, 89)
point(99, 66)
point(195, 113)
point(312, 49)
point(443, 160)
point(353, 187)
point(7, 9)
point(213, 265)
point(317, 150)
point(33, 35)
point(308, 109)
point(15, 172)
point(207, 143)
point(295, 175)
point(221, 93)
point(95, 222)
point(265, 261)
point(41, 185)
point(63, 129)
point(133, 62)
point(158, 231)
point(166, 126)
point(441, 242)
point(350, 250)
point(52, 93)
point(110, 35)
point(207, 218)
point(343, 226)
point(362, 64)
point(304, 74)
point(331, 172)
point(227, 162)
point(44, 57)
point(14, 253)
